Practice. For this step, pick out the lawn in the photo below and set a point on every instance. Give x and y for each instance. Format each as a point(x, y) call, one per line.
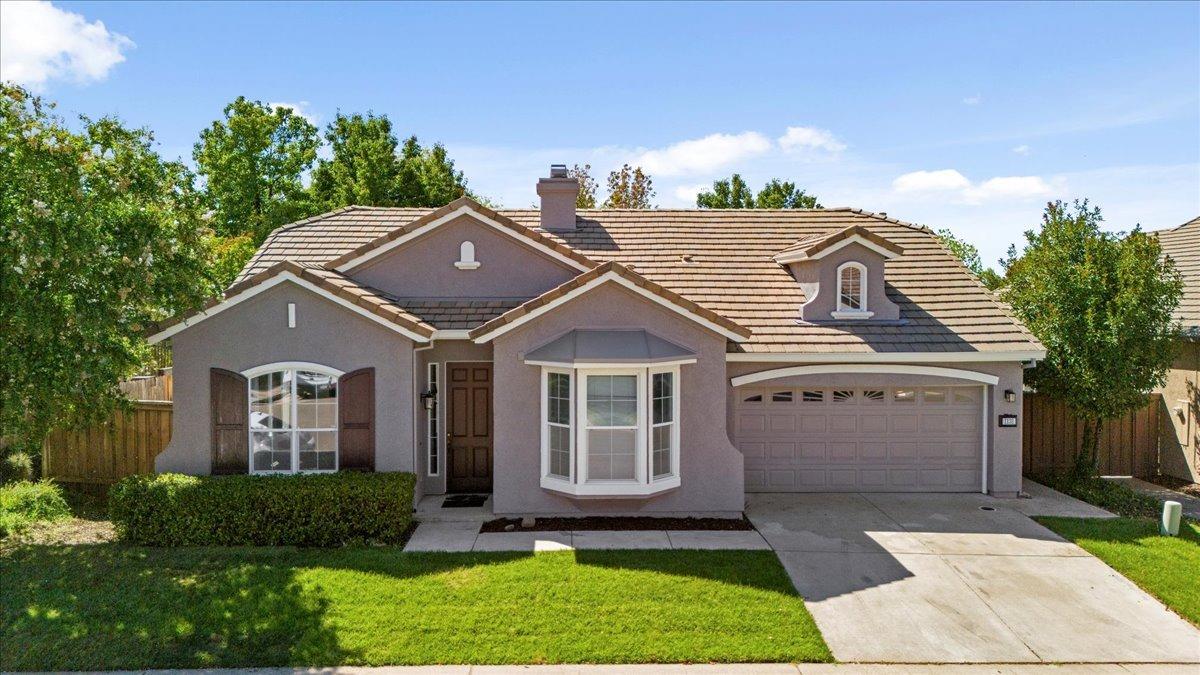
point(1166, 567)
point(107, 607)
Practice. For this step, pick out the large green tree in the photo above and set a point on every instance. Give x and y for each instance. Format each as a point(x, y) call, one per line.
point(98, 238)
point(363, 168)
point(629, 188)
point(734, 193)
point(253, 161)
point(427, 177)
point(1102, 305)
point(969, 255)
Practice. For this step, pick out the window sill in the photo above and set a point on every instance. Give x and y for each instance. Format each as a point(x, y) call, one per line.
point(611, 489)
point(467, 265)
point(852, 314)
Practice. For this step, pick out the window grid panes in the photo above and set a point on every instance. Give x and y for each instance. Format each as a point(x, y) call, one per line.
point(612, 427)
point(781, 397)
point(813, 397)
point(843, 396)
point(850, 297)
point(293, 421)
point(434, 425)
point(558, 421)
point(662, 433)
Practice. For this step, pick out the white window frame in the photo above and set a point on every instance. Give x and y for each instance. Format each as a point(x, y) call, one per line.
point(433, 427)
point(643, 484)
point(548, 478)
point(843, 312)
point(295, 430)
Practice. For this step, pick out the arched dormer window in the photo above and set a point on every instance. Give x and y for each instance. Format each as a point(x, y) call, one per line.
point(852, 292)
point(466, 257)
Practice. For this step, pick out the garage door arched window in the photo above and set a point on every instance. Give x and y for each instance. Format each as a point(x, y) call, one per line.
point(293, 418)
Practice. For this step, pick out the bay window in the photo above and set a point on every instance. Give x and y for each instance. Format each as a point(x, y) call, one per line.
point(610, 431)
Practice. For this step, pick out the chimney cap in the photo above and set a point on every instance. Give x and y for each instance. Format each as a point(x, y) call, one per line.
point(558, 170)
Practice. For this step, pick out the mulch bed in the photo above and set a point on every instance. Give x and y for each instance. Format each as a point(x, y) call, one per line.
point(1176, 484)
point(615, 523)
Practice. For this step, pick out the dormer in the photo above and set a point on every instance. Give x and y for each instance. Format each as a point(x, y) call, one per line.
point(841, 274)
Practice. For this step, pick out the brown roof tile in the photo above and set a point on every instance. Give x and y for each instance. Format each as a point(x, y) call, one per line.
point(1182, 245)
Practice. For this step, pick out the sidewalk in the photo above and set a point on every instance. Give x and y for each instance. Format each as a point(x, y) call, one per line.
point(731, 669)
point(462, 536)
point(1191, 505)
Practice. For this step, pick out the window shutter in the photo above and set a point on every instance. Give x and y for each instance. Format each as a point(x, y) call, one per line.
point(230, 420)
point(356, 420)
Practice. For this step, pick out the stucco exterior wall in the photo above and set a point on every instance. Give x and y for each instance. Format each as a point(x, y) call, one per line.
point(442, 352)
point(818, 279)
point(424, 267)
point(1179, 454)
point(255, 333)
point(1004, 444)
point(710, 467)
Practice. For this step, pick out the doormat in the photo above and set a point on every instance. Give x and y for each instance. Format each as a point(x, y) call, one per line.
point(463, 501)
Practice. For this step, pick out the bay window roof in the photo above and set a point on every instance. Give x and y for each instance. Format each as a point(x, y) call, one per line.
point(609, 347)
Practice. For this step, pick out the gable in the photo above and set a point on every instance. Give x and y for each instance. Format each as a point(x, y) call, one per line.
point(424, 266)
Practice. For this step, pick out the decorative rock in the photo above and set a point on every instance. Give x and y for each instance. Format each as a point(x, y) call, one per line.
point(509, 527)
point(528, 522)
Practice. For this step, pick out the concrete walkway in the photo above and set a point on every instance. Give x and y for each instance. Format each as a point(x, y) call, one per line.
point(731, 669)
point(1190, 504)
point(961, 579)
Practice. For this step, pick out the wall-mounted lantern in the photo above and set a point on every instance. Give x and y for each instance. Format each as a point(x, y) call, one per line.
point(1010, 396)
point(428, 398)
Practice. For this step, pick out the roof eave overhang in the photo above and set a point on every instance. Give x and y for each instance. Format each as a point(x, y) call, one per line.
point(802, 255)
point(1020, 356)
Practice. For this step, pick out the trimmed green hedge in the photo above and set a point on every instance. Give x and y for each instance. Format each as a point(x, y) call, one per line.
point(297, 510)
point(24, 503)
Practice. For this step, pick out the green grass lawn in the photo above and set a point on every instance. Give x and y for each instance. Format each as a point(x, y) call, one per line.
point(1166, 567)
point(106, 607)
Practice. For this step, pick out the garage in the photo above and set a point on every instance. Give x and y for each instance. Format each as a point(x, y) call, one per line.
point(860, 438)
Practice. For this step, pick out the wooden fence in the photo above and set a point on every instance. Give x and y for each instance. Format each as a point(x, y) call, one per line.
point(124, 446)
point(160, 387)
point(1052, 435)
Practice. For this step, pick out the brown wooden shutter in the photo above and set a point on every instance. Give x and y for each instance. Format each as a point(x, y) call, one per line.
point(356, 420)
point(230, 420)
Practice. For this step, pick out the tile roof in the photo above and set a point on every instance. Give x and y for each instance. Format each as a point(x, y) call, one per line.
point(334, 283)
point(722, 259)
point(457, 313)
point(814, 244)
point(1182, 244)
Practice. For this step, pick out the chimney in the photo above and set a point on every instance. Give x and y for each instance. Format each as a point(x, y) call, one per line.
point(558, 193)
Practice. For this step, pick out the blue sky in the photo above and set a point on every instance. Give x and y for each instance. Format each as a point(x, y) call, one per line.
point(967, 116)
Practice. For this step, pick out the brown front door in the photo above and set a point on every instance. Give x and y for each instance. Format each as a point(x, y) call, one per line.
point(469, 428)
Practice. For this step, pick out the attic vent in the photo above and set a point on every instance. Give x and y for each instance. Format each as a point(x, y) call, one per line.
point(558, 170)
point(688, 258)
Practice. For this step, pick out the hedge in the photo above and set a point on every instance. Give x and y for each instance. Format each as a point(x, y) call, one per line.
point(24, 503)
point(296, 510)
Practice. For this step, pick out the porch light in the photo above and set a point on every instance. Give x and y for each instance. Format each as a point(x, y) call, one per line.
point(428, 397)
point(1010, 396)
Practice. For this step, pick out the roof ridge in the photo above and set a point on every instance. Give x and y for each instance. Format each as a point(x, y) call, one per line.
point(888, 219)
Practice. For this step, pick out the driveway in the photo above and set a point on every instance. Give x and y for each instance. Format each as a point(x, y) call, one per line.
point(937, 579)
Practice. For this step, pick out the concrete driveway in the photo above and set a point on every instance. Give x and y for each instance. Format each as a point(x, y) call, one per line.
point(938, 579)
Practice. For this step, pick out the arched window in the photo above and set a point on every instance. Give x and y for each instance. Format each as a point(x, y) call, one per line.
point(293, 418)
point(466, 256)
point(852, 287)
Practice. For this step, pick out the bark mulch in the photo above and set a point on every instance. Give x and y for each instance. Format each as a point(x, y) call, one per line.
point(1176, 484)
point(615, 523)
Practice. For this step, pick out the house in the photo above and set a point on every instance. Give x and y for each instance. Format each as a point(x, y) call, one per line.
point(1179, 438)
point(606, 361)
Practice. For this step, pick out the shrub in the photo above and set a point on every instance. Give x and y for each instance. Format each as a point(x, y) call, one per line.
point(297, 510)
point(24, 503)
point(16, 466)
point(1104, 493)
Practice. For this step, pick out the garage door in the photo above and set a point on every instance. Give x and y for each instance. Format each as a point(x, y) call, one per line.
point(869, 439)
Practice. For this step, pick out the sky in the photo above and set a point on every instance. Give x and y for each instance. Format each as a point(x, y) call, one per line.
point(962, 116)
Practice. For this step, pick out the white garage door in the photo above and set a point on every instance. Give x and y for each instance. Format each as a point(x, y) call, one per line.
point(862, 439)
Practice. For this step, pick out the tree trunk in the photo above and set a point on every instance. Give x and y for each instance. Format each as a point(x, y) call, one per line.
point(1087, 460)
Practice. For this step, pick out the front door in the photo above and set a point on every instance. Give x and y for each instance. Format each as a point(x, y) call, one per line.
point(469, 428)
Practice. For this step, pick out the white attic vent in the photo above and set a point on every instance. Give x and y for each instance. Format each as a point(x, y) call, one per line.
point(466, 257)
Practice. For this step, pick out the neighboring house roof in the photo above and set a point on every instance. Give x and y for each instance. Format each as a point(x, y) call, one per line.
point(817, 246)
point(364, 300)
point(723, 261)
point(1182, 245)
point(597, 276)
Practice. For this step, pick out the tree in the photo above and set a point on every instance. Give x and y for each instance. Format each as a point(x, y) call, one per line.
point(629, 188)
point(1102, 305)
point(252, 162)
point(364, 167)
point(587, 186)
point(734, 193)
point(99, 237)
point(427, 177)
point(969, 255)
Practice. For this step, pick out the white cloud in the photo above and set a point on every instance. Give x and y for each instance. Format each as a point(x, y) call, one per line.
point(300, 108)
point(1022, 150)
point(931, 181)
point(801, 138)
point(703, 154)
point(973, 100)
point(40, 42)
point(686, 194)
point(1016, 187)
